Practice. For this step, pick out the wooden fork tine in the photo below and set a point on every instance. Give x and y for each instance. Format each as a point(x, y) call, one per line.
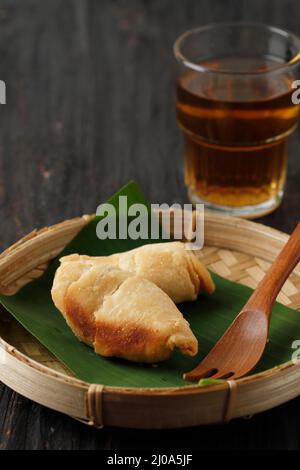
point(222, 375)
point(200, 373)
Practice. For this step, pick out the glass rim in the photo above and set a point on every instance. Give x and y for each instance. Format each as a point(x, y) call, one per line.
point(180, 57)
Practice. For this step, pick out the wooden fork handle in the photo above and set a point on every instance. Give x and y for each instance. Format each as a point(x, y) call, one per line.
point(266, 292)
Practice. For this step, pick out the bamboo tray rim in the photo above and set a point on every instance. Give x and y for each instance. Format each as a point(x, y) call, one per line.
point(184, 389)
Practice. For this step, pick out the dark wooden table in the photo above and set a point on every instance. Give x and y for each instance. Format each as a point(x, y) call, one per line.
point(90, 105)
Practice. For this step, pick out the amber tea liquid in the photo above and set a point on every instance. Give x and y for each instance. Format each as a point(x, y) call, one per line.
point(235, 136)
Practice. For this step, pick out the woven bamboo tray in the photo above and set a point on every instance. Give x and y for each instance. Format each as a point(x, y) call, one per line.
point(236, 249)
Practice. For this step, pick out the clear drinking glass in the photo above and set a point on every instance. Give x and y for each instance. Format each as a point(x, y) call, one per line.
point(234, 106)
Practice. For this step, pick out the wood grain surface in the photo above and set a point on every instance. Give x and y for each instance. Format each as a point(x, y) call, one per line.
point(90, 105)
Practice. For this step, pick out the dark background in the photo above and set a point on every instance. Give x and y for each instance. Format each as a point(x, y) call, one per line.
point(90, 105)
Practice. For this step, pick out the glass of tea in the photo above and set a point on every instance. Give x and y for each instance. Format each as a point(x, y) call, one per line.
point(235, 108)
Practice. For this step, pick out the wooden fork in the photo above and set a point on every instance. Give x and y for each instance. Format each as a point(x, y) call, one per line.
point(243, 343)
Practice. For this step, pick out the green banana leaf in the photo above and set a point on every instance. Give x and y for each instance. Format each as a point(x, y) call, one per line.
point(209, 317)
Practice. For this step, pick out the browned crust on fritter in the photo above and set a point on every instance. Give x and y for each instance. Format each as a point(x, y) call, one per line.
point(80, 321)
point(199, 274)
point(113, 340)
